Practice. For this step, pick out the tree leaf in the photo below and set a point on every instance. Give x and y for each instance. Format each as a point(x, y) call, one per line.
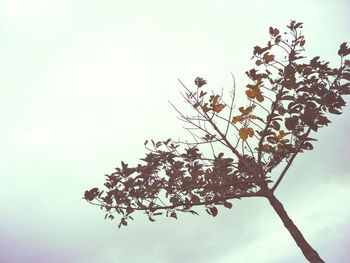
point(196, 104)
point(245, 132)
point(265, 148)
point(258, 62)
point(195, 199)
point(91, 194)
point(291, 123)
point(281, 135)
point(228, 205)
point(200, 82)
point(346, 76)
point(173, 214)
point(275, 125)
point(307, 146)
point(260, 98)
point(202, 94)
point(288, 97)
point(193, 212)
point(218, 107)
point(253, 93)
point(246, 111)
point(343, 50)
point(238, 119)
point(213, 211)
point(268, 57)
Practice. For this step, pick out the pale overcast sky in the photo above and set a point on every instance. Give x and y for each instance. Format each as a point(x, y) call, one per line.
point(84, 83)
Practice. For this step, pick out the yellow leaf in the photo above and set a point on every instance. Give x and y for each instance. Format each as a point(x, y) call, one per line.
point(268, 57)
point(213, 99)
point(265, 148)
point(250, 94)
point(281, 135)
point(246, 111)
point(250, 132)
point(255, 93)
point(260, 98)
point(238, 118)
point(245, 132)
point(218, 107)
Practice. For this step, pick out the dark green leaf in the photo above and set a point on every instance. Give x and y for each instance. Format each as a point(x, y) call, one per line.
point(200, 82)
point(346, 76)
point(227, 204)
point(202, 94)
point(91, 194)
point(307, 146)
point(343, 50)
point(291, 123)
point(193, 212)
point(213, 211)
point(195, 199)
point(288, 97)
point(173, 214)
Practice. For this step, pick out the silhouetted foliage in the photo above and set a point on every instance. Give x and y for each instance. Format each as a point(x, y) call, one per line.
point(288, 99)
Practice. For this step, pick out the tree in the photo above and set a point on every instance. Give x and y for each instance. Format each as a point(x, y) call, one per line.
point(288, 100)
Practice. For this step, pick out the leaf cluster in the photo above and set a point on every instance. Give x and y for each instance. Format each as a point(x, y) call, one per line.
point(169, 181)
point(288, 97)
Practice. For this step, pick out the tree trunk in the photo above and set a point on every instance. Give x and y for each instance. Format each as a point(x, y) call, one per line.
point(310, 254)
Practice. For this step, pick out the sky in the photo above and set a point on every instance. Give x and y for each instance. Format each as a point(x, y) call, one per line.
point(84, 83)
